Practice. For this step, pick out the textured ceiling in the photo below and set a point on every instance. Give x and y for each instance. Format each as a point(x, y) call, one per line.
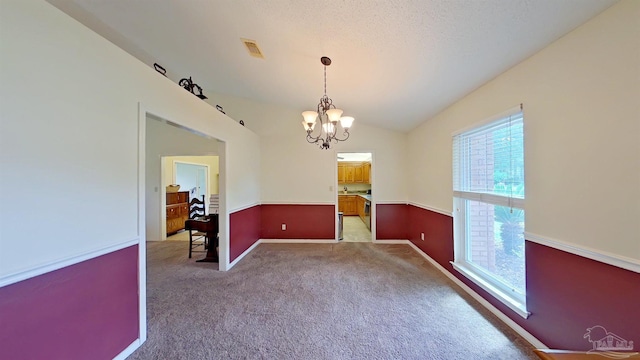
point(395, 64)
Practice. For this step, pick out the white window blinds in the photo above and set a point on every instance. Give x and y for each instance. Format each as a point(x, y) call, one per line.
point(489, 159)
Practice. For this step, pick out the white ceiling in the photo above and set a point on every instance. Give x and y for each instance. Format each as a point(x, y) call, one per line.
point(395, 64)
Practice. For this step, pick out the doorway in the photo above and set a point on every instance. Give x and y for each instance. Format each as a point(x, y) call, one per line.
point(193, 178)
point(157, 138)
point(354, 185)
point(167, 143)
point(198, 177)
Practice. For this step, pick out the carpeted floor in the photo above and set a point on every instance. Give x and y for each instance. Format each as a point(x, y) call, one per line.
point(315, 301)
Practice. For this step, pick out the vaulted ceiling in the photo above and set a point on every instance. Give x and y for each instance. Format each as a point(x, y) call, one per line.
point(395, 64)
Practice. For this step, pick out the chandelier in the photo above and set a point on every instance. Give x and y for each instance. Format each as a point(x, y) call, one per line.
point(329, 117)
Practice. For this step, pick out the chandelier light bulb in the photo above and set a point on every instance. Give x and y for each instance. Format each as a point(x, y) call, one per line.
point(346, 121)
point(310, 116)
point(334, 115)
point(309, 122)
point(328, 128)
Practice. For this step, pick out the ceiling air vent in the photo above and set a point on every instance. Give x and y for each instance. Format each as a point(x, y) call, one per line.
point(252, 47)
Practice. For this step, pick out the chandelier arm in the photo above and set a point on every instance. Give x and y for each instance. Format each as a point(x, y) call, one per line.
point(346, 133)
point(313, 139)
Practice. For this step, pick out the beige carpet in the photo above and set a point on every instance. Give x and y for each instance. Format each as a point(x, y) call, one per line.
point(315, 301)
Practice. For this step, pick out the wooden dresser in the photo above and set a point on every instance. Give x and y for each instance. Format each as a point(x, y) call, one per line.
point(177, 211)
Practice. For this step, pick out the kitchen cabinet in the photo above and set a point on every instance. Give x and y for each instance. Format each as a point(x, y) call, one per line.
point(347, 204)
point(359, 171)
point(346, 173)
point(341, 169)
point(349, 174)
point(360, 207)
point(366, 174)
point(354, 173)
point(341, 202)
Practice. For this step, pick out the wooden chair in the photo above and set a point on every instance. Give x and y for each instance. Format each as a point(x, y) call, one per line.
point(197, 237)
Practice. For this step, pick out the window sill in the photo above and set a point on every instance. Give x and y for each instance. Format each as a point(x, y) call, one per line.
point(513, 304)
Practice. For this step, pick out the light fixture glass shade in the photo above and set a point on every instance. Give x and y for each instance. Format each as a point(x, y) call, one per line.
point(328, 128)
point(309, 122)
point(334, 114)
point(308, 126)
point(346, 121)
point(310, 116)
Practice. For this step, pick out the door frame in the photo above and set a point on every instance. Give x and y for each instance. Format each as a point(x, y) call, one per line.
point(337, 190)
point(223, 249)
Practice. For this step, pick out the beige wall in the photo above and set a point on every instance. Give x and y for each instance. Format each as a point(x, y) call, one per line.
point(294, 171)
point(70, 104)
point(582, 125)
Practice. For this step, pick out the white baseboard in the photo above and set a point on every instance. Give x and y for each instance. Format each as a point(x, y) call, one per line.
point(246, 252)
point(278, 241)
point(128, 350)
point(298, 241)
point(505, 319)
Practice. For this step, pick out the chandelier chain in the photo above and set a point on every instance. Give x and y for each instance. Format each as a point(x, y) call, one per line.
point(325, 80)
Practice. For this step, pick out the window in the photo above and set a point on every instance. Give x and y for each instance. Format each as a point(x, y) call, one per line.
point(489, 193)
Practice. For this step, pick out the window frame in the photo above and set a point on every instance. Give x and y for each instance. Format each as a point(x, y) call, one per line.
point(506, 294)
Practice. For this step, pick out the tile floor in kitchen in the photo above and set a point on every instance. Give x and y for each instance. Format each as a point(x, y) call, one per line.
point(354, 230)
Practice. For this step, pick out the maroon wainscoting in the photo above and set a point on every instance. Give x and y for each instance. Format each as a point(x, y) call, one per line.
point(303, 221)
point(438, 234)
point(87, 310)
point(566, 293)
point(391, 221)
point(244, 230)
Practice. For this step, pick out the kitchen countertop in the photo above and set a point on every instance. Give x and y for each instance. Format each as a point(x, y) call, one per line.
point(366, 196)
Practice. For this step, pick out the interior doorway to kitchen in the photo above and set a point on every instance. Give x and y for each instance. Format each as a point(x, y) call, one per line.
point(354, 185)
